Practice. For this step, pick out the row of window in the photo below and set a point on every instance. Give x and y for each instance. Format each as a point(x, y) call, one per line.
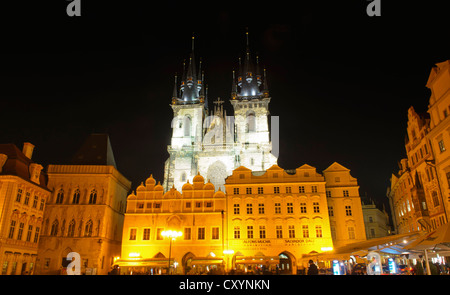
point(262, 210)
point(276, 190)
point(250, 232)
point(72, 229)
point(26, 200)
point(19, 234)
point(187, 234)
point(187, 205)
point(288, 190)
point(76, 197)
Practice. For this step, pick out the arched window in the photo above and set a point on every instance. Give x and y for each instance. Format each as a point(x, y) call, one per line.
point(183, 177)
point(60, 197)
point(54, 230)
point(187, 126)
point(88, 229)
point(76, 197)
point(251, 122)
point(71, 229)
point(93, 197)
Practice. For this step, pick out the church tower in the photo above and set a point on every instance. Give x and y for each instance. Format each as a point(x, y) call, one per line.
point(250, 99)
point(189, 109)
point(214, 144)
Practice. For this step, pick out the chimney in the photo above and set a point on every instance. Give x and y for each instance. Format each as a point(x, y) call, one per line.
point(28, 149)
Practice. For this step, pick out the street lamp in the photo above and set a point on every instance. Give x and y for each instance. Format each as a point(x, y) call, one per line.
point(172, 235)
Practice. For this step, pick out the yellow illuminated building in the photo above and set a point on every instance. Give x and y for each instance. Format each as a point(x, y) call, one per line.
point(23, 193)
point(265, 223)
point(198, 213)
point(85, 211)
point(419, 193)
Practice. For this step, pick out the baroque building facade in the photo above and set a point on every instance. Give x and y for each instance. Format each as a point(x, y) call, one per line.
point(266, 222)
point(85, 210)
point(23, 194)
point(213, 144)
point(419, 192)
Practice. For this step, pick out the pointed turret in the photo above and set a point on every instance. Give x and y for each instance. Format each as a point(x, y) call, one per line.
point(191, 89)
point(249, 78)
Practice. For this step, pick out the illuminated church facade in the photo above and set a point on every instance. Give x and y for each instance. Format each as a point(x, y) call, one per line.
point(208, 142)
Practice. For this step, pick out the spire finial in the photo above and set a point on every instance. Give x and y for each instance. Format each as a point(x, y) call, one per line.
point(193, 37)
point(246, 34)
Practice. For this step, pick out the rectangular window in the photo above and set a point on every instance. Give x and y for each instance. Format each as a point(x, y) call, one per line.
point(279, 229)
point(305, 231)
point(236, 209)
point(302, 207)
point(198, 204)
point(20, 231)
point(146, 234)
point(19, 195)
point(262, 232)
point(250, 232)
point(318, 231)
point(201, 233)
point(188, 205)
point(41, 207)
point(187, 233)
point(291, 229)
point(276, 189)
point(12, 229)
point(208, 204)
point(348, 210)
point(260, 190)
point(345, 192)
point(133, 234)
point(249, 209)
point(157, 206)
point(351, 233)
point(261, 208)
point(27, 198)
point(36, 235)
point(314, 189)
point(149, 205)
point(140, 205)
point(236, 191)
point(237, 232)
point(288, 190)
point(215, 233)
point(441, 145)
point(301, 189)
point(277, 208)
point(290, 208)
point(35, 202)
point(158, 233)
point(330, 211)
point(328, 194)
point(316, 207)
point(248, 190)
point(30, 230)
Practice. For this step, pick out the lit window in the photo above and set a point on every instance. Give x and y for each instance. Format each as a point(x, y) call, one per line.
point(133, 234)
point(348, 210)
point(215, 233)
point(146, 234)
point(236, 209)
point(441, 145)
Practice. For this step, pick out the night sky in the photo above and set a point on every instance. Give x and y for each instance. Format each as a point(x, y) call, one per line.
point(340, 81)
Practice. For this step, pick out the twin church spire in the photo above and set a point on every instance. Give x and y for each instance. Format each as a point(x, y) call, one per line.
point(250, 84)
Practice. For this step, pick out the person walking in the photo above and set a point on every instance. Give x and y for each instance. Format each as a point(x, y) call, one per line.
point(312, 270)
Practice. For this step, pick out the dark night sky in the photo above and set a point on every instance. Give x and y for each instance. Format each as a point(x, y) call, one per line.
point(340, 81)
